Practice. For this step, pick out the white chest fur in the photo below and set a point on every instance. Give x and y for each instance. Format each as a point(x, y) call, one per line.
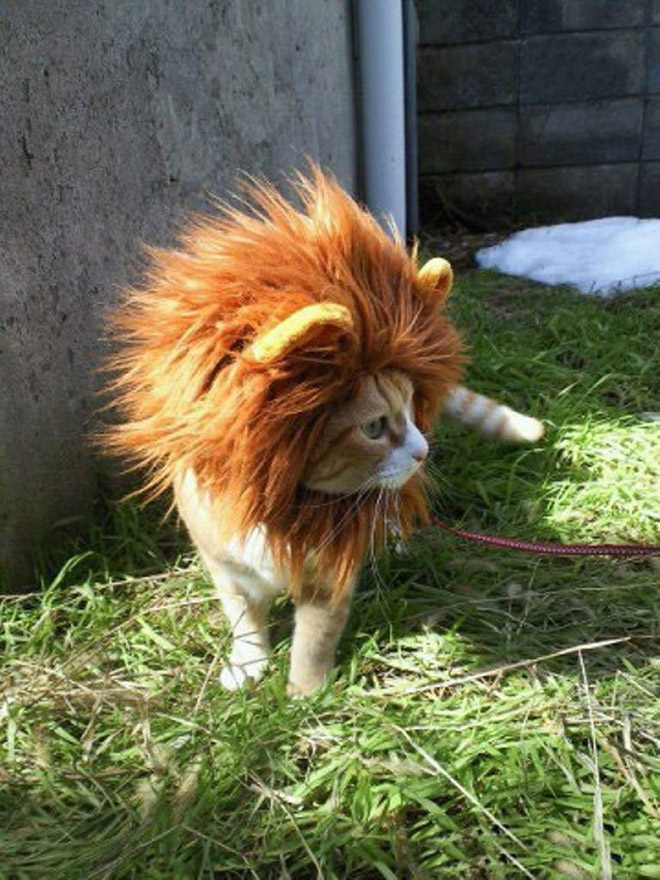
point(247, 562)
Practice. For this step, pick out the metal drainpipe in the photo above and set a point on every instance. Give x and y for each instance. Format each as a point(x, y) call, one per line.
point(380, 40)
point(410, 41)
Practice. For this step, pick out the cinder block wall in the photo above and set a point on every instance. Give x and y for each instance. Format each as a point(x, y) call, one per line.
point(117, 119)
point(539, 109)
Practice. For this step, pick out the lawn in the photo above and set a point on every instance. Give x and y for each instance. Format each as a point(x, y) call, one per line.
point(493, 715)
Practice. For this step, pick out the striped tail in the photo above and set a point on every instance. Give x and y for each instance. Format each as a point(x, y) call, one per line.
point(491, 418)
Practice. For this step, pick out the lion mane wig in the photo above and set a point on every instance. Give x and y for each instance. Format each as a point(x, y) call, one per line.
point(234, 353)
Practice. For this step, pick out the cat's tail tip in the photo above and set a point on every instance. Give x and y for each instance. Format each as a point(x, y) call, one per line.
point(518, 428)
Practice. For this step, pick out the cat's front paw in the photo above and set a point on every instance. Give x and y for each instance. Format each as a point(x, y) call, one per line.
point(298, 690)
point(235, 676)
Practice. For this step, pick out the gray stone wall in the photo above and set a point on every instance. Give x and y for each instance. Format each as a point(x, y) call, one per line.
point(539, 109)
point(117, 119)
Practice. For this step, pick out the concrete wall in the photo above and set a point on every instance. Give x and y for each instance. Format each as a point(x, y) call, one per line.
point(117, 118)
point(542, 109)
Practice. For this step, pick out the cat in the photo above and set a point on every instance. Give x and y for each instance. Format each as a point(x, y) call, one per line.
point(372, 442)
point(280, 371)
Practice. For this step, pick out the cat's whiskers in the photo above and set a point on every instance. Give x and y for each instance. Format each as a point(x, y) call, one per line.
point(380, 584)
point(331, 498)
point(372, 560)
point(361, 496)
point(401, 537)
point(433, 477)
point(336, 529)
point(387, 524)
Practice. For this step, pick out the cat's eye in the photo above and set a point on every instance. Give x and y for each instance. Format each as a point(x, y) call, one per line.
point(375, 428)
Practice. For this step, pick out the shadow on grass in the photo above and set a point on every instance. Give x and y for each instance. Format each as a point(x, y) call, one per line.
point(124, 538)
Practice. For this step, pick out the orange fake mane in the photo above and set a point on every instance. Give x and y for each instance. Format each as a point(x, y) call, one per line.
point(193, 395)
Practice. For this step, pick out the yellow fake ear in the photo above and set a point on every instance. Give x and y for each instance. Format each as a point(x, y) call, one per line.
point(299, 328)
point(437, 275)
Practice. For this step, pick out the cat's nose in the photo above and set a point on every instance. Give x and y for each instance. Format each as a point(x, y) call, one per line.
point(420, 450)
point(416, 444)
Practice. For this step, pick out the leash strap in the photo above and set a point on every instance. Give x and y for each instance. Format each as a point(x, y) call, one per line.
point(550, 548)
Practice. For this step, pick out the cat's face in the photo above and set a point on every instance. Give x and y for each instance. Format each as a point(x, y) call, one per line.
point(372, 441)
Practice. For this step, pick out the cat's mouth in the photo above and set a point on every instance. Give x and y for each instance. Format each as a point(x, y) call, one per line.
point(396, 478)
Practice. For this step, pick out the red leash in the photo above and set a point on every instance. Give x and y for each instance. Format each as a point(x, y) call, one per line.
point(550, 548)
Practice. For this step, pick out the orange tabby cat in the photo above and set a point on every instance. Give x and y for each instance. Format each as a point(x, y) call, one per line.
point(280, 371)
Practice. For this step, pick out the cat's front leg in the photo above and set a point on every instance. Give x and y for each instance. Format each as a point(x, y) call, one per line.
point(246, 601)
point(248, 621)
point(319, 624)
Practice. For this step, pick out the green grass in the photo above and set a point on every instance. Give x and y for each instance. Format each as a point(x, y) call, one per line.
point(475, 728)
